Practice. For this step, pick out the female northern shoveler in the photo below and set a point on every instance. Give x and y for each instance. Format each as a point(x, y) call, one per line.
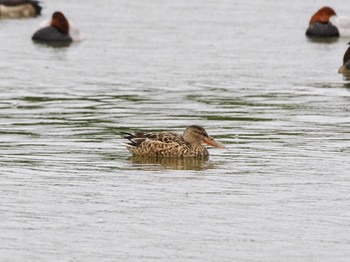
point(326, 23)
point(169, 144)
point(58, 31)
point(345, 68)
point(19, 8)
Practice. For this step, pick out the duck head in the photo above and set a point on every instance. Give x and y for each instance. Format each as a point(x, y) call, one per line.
point(60, 22)
point(322, 15)
point(197, 135)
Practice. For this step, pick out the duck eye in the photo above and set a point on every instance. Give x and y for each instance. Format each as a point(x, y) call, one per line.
point(201, 133)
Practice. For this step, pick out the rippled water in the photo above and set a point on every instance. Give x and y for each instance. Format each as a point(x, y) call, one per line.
point(243, 69)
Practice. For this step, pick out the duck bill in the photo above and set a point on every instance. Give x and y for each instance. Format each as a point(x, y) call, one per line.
point(210, 141)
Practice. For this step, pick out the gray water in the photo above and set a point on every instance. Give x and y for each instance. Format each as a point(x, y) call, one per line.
point(243, 69)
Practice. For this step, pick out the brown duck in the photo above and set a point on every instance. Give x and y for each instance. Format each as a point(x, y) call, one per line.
point(170, 144)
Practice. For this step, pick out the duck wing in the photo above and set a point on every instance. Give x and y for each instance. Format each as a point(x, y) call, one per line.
point(137, 138)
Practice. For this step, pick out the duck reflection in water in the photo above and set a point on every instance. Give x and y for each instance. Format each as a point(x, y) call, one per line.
point(188, 163)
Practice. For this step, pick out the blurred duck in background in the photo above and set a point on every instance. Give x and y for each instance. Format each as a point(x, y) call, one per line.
point(345, 68)
point(57, 30)
point(19, 8)
point(326, 23)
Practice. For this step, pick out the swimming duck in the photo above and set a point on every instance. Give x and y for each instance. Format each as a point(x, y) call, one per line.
point(345, 68)
point(170, 144)
point(19, 8)
point(320, 25)
point(326, 23)
point(58, 31)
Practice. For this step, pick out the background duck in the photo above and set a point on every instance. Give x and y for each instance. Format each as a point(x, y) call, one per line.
point(58, 30)
point(169, 144)
point(345, 68)
point(19, 8)
point(326, 23)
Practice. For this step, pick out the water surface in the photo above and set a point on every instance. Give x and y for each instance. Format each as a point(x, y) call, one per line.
point(242, 69)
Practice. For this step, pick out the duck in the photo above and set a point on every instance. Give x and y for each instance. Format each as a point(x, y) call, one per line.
point(326, 23)
point(345, 68)
point(170, 144)
point(58, 30)
point(19, 8)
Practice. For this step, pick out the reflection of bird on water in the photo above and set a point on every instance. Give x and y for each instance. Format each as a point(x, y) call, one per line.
point(185, 163)
point(169, 144)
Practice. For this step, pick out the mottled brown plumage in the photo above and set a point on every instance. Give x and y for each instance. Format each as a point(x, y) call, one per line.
point(170, 144)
